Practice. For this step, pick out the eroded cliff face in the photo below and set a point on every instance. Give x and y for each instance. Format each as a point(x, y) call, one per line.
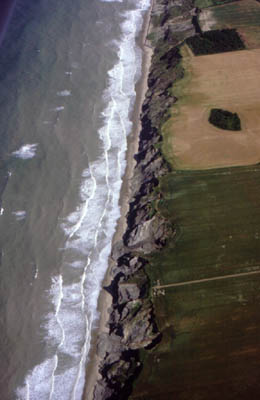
point(132, 325)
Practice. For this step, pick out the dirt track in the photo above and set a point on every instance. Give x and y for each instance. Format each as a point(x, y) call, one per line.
point(216, 278)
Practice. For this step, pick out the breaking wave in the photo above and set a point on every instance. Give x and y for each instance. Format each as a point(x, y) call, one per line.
point(89, 229)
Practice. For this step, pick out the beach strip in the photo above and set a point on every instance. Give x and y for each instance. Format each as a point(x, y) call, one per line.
point(105, 299)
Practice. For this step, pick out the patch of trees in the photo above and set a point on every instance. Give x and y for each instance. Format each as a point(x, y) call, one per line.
point(217, 41)
point(225, 119)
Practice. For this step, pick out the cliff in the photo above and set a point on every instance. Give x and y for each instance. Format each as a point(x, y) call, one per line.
point(132, 325)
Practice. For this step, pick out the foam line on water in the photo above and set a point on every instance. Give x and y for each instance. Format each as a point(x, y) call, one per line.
point(27, 391)
point(52, 377)
point(88, 323)
point(107, 145)
point(84, 192)
point(58, 108)
point(26, 151)
point(85, 350)
point(64, 93)
point(21, 214)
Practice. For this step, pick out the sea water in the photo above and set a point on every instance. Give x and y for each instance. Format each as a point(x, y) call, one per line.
point(68, 71)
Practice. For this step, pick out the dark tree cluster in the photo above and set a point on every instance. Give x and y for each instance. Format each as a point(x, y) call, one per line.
point(218, 41)
point(225, 119)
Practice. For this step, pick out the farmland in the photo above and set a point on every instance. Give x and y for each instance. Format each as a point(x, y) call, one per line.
point(229, 81)
point(210, 346)
point(205, 281)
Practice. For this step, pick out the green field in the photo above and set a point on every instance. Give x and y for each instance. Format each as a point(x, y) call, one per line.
point(211, 330)
point(210, 3)
point(243, 15)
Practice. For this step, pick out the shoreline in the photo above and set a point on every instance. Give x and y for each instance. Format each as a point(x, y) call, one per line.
point(105, 299)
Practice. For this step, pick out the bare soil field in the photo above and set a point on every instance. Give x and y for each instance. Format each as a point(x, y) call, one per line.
point(242, 15)
point(230, 81)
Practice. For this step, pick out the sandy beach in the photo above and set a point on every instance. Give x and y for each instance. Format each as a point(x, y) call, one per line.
point(105, 299)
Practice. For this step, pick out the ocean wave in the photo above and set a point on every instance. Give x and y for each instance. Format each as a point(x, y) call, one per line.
point(59, 108)
point(64, 93)
point(89, 229)
point(26, 152)
point(19, 214)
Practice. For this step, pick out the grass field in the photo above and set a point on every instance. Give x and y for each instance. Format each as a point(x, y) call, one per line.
point(210, 3)
point(242, 15)
point(229, 81)
point(211, 331)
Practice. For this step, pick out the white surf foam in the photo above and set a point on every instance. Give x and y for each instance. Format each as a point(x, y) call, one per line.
point(19, 214)
point(64, 93)
point(89, 231)
point(41, 375)
point(59, 108)
point(26, 152)
point(36, 272)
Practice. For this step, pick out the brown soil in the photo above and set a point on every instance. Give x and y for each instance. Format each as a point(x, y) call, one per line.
point(230, 81)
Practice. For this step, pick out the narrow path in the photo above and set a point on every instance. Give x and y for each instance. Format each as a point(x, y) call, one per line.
point(216, 278)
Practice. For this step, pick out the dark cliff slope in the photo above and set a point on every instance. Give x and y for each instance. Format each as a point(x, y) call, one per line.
point(132, 324)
